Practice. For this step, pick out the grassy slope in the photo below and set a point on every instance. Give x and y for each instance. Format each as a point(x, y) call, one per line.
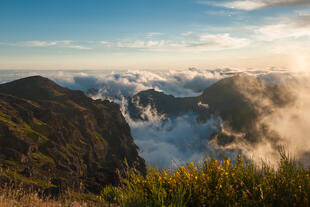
point(19, 196)
point(55, 137)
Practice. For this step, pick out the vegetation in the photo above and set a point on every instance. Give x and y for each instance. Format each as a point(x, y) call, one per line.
point(19, 197)
point(19, 191)
point(213, 183)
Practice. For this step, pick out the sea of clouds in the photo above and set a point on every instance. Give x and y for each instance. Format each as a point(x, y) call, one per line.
point(163, 141)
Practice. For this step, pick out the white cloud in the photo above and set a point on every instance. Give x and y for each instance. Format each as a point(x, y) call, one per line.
point(256, 4)
point(244, 5)
point(37, 43)
point(189, 42)
point(219, 41)
point(107, 44)
point(303, 12)
point(228, 13)
point(80, 47)
point(152, 34)
point(140, 44)
point(289, 28)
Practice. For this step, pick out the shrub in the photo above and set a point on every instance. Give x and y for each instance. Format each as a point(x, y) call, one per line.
point(217, 183)
point(111, 194)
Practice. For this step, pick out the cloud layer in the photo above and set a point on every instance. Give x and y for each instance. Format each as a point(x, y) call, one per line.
point(36, 43)
point(163, 142)
point(188, 42)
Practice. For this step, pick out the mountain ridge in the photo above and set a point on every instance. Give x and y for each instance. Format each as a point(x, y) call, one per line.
point(61, 137)
point(236, 100)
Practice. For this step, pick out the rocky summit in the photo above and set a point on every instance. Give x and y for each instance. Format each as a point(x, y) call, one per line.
point(54, 137)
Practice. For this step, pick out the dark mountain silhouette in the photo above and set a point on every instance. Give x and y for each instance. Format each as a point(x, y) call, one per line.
point(52, 136)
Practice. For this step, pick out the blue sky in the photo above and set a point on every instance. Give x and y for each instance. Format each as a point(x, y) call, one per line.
point(153, 34)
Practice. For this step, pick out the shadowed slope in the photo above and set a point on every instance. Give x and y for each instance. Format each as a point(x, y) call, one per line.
point(53, 136)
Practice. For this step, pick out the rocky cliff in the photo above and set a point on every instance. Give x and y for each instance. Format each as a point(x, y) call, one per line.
point(53, 136)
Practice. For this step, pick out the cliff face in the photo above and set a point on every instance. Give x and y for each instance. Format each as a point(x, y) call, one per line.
point(53, 136)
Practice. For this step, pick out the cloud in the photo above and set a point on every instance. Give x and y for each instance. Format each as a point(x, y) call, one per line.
point(37, 43)
point(288, 28)
point(168, 142)
point(137, 44)
point(218, 41)
point(116, 85)
point(178, 140)
point(152, 34)
point(80, 47)
point(277, 125)
point(222, 12)
point(106, 44)
point(228, 38)
point(250, 5)
point(189, 42)
point(140, 44)
point(179, 83)
point(243, 5)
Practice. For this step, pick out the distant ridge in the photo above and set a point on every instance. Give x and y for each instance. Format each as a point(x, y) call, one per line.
point(229, 99)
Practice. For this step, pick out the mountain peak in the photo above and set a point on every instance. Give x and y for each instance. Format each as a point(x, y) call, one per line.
point(32, 80)
point(34, 88)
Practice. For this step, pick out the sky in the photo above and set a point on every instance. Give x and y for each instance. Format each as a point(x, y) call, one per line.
point(154, 34)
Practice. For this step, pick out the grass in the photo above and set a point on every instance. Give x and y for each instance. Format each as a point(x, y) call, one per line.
point(210, 183)
point(40, 127)
point(17, 190)
point(19, 197)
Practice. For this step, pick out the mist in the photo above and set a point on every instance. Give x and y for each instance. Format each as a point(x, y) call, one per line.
point(280, 127)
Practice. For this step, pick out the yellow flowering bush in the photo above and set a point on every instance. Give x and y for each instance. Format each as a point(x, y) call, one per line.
point(214, 183)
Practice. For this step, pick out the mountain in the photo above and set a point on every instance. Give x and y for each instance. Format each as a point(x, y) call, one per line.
point(164, 104)
point(52, 136)
point(239, 101)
